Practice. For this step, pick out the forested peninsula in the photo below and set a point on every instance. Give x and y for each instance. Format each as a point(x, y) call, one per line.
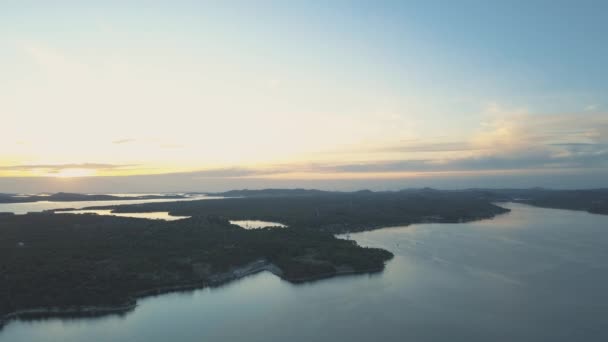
point(53, 264)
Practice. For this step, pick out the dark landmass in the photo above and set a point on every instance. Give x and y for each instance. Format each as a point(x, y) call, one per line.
point(71, 197)
point(61, 263)
point(270, 193)
point(54, 264)
point(590, 200)
point(593, 200)
point(334, 212)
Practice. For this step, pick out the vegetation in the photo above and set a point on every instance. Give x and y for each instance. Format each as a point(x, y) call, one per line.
point(334, 212)
point(591, 200)
point(63, 260)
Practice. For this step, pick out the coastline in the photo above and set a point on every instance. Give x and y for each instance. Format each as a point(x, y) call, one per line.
point(341, 229)
point(78, 311)
point(333, 274)
point(215, 280)
point(222, 278)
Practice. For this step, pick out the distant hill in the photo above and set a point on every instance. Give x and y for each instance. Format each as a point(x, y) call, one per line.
point(271, 193)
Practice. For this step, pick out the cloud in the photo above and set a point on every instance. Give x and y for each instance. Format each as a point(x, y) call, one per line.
point(225, 172)
point(54, 168)
point(561, 157)
point(452, 146)
point(505, 141)
point(592, 157)
point(582, 147)
point(380, 166)
point(235, 172)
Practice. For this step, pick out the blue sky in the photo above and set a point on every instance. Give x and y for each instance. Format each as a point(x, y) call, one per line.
point(338, 91)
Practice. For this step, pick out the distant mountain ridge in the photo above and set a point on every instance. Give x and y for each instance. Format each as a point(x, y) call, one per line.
point(590, 200)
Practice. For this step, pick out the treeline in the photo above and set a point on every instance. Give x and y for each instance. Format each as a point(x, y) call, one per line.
point(336, 212)
point(64, 260)
point(59, 260)
point(590, 200)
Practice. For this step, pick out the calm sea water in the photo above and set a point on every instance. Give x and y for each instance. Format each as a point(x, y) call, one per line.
point(530, 275)
point(155, 215)
point(257, 224)
point(22, 208)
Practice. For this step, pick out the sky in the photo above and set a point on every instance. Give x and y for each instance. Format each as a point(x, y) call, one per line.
point(214, 95)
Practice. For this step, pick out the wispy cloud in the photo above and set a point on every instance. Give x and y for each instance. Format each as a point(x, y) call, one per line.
point(53, 168)
point(521, 161)
point(451, 146)
point(507, 140)
point(235, 172)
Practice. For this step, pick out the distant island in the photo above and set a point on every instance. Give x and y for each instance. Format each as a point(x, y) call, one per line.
point(53, 264)
point(594, 201)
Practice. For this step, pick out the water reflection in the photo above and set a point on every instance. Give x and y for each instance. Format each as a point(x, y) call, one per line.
point(257, 224)
point(156, 215)
point(23, 208)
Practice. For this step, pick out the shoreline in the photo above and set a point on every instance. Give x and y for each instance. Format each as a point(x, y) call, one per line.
point(335, 274)
point(215, 280)
point(342, 229)
point(222, 278)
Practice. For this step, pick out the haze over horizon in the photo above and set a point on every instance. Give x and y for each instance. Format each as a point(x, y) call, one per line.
point(347, 95)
